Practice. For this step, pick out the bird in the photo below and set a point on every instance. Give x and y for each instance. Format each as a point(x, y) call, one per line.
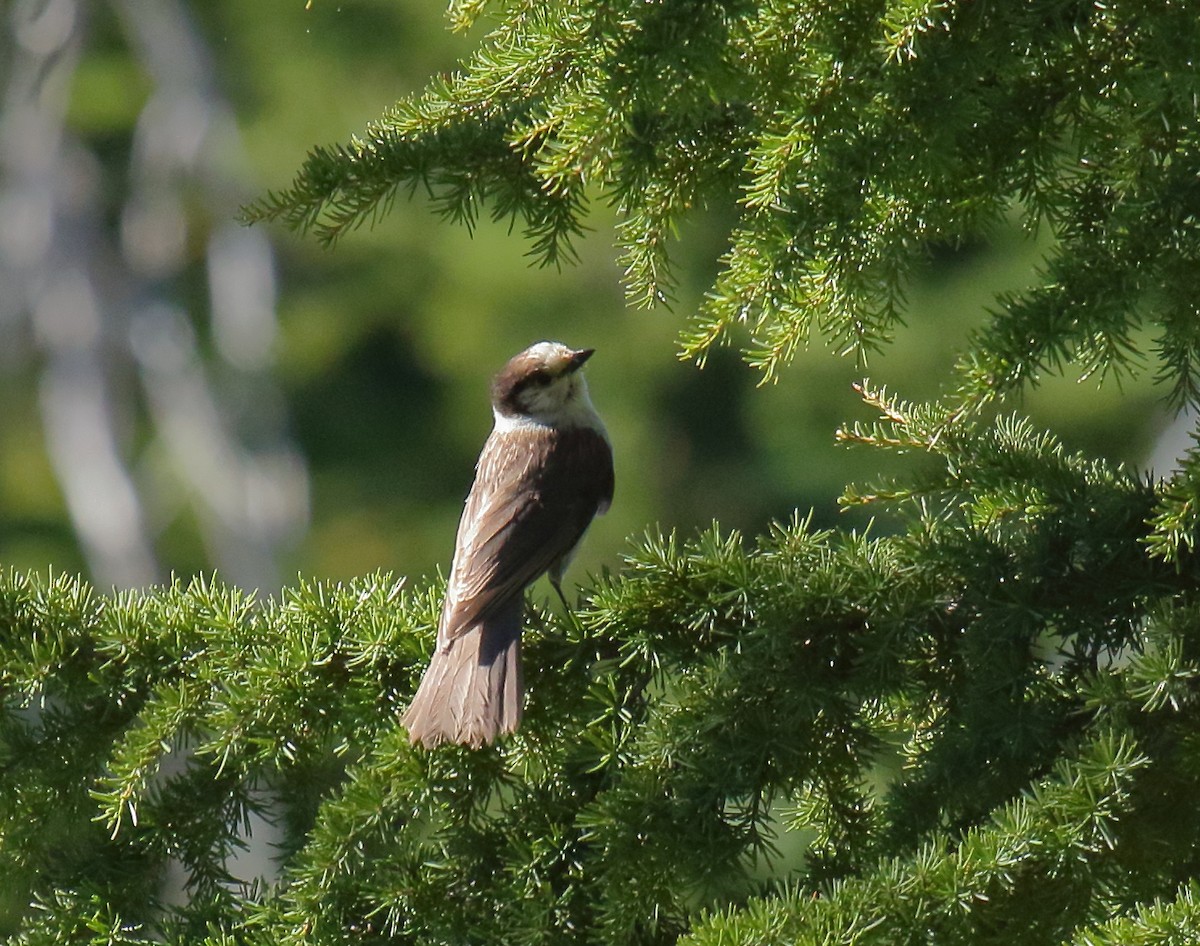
point(545, 472)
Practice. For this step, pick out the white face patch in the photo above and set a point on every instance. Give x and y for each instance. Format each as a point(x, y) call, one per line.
point(562, 403)
point(552, 398)
point(542, 387)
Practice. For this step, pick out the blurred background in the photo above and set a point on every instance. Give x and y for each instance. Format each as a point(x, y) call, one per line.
point(181, 394)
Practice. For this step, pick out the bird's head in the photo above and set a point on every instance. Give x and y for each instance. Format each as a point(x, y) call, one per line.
point(543, 384)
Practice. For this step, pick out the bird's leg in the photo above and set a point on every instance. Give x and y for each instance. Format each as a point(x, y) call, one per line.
point(556, 582)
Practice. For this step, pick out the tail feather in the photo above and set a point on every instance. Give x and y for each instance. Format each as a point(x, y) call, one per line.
point(472, 690)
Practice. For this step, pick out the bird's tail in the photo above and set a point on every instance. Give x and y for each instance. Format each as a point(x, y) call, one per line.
point(472, 690)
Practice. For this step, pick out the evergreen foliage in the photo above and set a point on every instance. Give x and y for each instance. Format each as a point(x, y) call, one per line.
point(980, 729)
point(849, 136)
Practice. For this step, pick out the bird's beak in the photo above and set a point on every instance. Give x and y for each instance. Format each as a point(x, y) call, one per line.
point(577, 359)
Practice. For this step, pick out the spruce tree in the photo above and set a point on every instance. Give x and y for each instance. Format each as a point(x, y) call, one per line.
point(979, 729)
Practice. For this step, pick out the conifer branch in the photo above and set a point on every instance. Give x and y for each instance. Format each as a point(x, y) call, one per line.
point(848, 140)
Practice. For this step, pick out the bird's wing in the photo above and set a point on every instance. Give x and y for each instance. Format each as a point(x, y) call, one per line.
point(535, 493)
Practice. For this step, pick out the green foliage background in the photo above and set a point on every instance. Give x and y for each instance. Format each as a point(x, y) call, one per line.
point(973, 722)
point(387, 343)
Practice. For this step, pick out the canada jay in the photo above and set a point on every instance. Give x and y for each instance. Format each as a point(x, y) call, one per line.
point(544, 473)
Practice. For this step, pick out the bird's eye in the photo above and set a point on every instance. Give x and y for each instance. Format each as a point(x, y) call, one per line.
point(539, 378)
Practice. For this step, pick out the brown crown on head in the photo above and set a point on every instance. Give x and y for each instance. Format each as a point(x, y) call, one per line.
point(521, 372)
point(538, 365)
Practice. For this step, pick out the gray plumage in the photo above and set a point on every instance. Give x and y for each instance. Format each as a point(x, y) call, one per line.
point(544, 473)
